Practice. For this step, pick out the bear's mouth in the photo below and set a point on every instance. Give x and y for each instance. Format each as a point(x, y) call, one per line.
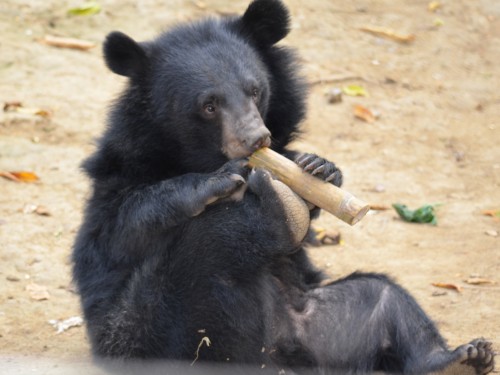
point(235, 148)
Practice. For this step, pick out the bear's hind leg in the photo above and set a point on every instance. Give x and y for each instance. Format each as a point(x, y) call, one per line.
point(366, 322)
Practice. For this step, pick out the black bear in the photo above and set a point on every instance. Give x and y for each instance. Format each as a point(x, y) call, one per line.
point(182, 246)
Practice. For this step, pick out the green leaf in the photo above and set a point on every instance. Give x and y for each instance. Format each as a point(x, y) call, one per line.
point(424, 214)
point(86, 9)
point(354, 90)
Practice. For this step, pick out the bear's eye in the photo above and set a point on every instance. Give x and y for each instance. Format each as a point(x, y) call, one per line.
point(209, 108)
point(255, 94)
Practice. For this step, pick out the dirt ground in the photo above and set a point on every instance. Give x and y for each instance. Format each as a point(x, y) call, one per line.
point(437, 140)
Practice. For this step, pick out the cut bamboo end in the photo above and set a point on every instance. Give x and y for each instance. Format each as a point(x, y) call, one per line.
point(322, 194)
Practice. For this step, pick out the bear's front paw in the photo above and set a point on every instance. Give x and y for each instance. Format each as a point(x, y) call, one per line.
point(224, 186)
point(227, 183)
point(236, 166)
point(320, 168)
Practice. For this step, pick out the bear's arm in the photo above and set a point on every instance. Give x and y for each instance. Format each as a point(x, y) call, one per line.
point(172, 202)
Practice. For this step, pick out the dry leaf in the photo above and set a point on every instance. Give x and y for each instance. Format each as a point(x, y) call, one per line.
point(495, 214)
point(61, 42)
point(422, 215)
point(328, 237)
point(89, 8)
point(448, 286)
point(64, 325)
point(34, 112)
point(479, 281)
point(433, 6)
point(389, 34)
point(25, 176)
point(363, 113)
point(11, 106)
point(438, 22)
point(19, 176)
point(37, 292)
point(439, 293)
point(321, 236)
point(37, 209)
point(17, 107)
point(354, 90)
point(9, 176)
point(379, 207)
point(42, 211)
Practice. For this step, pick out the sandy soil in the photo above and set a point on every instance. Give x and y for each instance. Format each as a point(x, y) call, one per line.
point(437, 140)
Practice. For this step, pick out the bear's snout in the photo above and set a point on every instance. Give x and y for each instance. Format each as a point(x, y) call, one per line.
point(243, 133)
point(261, 138)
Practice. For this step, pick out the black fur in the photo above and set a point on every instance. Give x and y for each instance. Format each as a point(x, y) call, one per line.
point(172, 249)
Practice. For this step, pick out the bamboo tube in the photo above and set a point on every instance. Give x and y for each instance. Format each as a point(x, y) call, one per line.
point(320, 193)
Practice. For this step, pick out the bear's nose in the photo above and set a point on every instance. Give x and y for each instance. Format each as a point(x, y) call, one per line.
point(262, 140)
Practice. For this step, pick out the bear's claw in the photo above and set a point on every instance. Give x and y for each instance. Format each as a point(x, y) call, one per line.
point(319, 167)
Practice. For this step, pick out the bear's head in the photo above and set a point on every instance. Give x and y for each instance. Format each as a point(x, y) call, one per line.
point(205, 88)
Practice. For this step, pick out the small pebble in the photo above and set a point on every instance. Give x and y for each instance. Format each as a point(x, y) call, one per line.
point(439, 293)
point(12, 278)
point(492, 233)
point(334, 95)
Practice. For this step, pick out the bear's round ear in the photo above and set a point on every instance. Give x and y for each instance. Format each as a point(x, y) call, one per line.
point(124, 55)
point(266, 22)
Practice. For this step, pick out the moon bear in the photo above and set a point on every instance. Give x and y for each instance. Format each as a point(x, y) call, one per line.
point(181, 243)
